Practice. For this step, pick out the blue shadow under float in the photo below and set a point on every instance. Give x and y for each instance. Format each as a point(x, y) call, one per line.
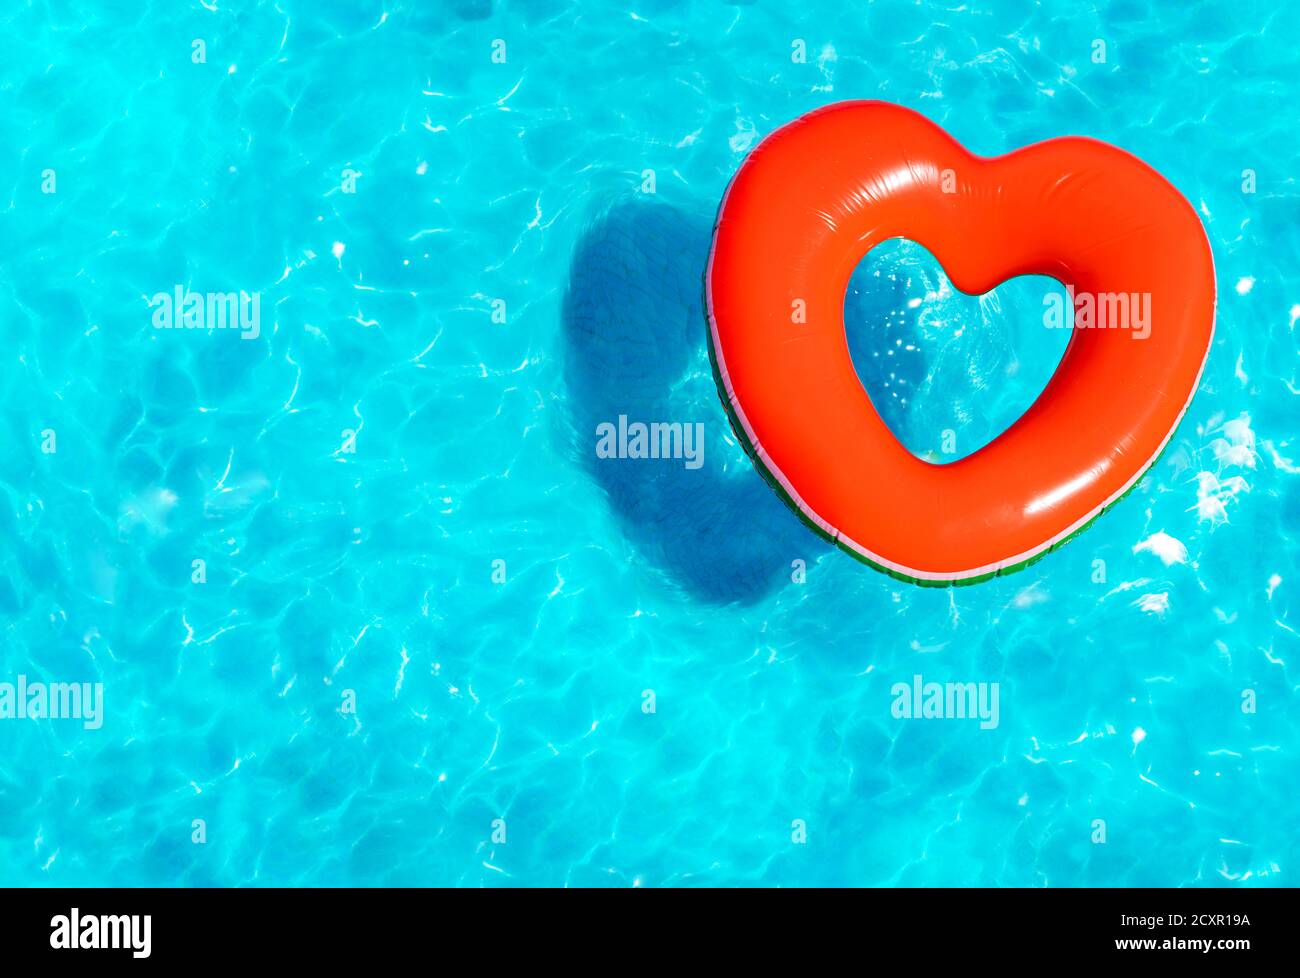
point(634, 328)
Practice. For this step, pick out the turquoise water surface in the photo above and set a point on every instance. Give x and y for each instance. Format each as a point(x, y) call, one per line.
point(433, 638)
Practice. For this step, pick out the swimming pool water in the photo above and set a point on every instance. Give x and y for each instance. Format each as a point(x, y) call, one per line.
point(396, 499)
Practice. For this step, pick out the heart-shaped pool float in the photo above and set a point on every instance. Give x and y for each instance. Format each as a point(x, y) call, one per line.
point(816, 195)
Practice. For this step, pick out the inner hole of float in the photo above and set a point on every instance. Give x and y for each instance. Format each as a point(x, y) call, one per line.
point(949, 372)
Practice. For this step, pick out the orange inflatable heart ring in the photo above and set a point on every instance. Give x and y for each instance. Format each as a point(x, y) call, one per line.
point(815, 196)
